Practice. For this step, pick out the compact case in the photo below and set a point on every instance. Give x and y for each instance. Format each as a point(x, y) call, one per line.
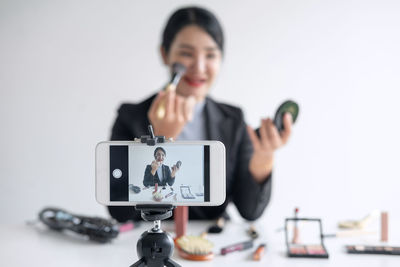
point(299, 250)
point(382, 250)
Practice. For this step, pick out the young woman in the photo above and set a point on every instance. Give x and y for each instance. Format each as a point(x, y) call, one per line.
point(193, 36)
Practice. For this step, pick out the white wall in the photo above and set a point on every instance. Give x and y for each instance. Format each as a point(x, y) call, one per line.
point(65, 66)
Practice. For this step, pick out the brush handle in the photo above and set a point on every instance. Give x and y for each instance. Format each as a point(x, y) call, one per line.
point(161, 107)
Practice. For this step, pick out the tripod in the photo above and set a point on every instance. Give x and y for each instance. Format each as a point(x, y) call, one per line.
point(155, 246)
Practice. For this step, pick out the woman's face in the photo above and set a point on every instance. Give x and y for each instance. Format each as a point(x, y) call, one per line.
point(160, 156)
point(195, 48)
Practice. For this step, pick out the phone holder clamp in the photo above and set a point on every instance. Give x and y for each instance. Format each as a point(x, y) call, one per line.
point(151, 139)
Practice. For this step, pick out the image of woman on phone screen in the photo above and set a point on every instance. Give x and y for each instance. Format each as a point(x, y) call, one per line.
point(157, 172)
point(194, 37)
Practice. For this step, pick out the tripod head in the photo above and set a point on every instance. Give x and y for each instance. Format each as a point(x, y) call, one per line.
point(155, 247)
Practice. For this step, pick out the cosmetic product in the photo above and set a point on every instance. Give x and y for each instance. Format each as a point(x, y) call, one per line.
point(350, 233)
point(252, 232)
point(307, 251)
point(157, 196)
point(382, 250)
point(359, 224)
point(155, 188)
point(295, 239)
point(134, 189)
point(169, 194)
point(237, 247)
point(218, 227)
point(257, 255)
point(286, 107)
point(384, 226)
point(312, 245)
point(177, 72)
point(195, 248)
point(126, 227)
point(181, 217)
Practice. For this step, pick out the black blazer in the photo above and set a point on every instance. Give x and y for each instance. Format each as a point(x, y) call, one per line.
point(150, 179)
point(224, 123)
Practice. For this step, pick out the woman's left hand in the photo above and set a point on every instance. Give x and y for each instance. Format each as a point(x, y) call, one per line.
point(270, 139)
point(174, 171)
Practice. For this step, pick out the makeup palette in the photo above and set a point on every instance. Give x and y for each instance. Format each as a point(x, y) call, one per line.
point(309, 241)
point(307, 251)
point(382, 250)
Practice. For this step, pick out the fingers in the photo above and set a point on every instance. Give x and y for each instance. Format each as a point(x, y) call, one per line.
point(170, 104)
point(274, 138)
point(155, 163)
point(269, 135)
point(156, 103)
point(287, 123)
point(264, 132)
point(253, 138)
point(179, 113)
point(170, 112)
point(176, 107)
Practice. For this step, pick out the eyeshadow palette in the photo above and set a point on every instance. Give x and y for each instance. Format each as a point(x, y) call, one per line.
point(304, 238)
point(307, 251)
point(383, 250)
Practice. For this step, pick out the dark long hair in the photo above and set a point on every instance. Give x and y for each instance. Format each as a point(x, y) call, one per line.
point(159, 148)
point(192, 16)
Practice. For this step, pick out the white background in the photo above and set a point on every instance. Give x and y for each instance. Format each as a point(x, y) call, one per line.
point(65, 67)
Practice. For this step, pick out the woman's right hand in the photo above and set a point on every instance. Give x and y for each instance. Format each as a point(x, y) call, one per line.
point(154, 167)
point(178, 111)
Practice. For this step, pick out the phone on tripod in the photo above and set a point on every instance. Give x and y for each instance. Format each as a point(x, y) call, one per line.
point(130, 173)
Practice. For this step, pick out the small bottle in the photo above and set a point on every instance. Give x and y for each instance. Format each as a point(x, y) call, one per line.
point(155, 187)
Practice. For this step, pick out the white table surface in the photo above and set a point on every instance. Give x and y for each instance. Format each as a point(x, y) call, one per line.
point(24, 245)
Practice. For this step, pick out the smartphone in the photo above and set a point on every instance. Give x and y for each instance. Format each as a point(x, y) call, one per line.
point(181, 173)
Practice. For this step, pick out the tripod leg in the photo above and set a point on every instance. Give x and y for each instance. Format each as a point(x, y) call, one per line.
point(170, 263)
point(139, 263)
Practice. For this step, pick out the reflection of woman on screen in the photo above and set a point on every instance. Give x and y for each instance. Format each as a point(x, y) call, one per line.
point(157, 172)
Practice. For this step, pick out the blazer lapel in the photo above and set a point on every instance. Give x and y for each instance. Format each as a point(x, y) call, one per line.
point(219, 126)
point(140, 123)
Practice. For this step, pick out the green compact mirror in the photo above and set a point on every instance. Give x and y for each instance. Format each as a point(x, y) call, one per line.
point(287, 106)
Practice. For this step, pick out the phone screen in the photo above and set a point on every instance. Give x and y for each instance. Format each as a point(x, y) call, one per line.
point(163, 173)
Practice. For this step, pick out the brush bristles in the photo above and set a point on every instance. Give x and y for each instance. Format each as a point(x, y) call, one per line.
point(178, 68)
point(195, 245)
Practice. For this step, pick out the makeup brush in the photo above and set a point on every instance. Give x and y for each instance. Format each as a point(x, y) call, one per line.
point(359, 224)
point(195, 248)
point(178, 70)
